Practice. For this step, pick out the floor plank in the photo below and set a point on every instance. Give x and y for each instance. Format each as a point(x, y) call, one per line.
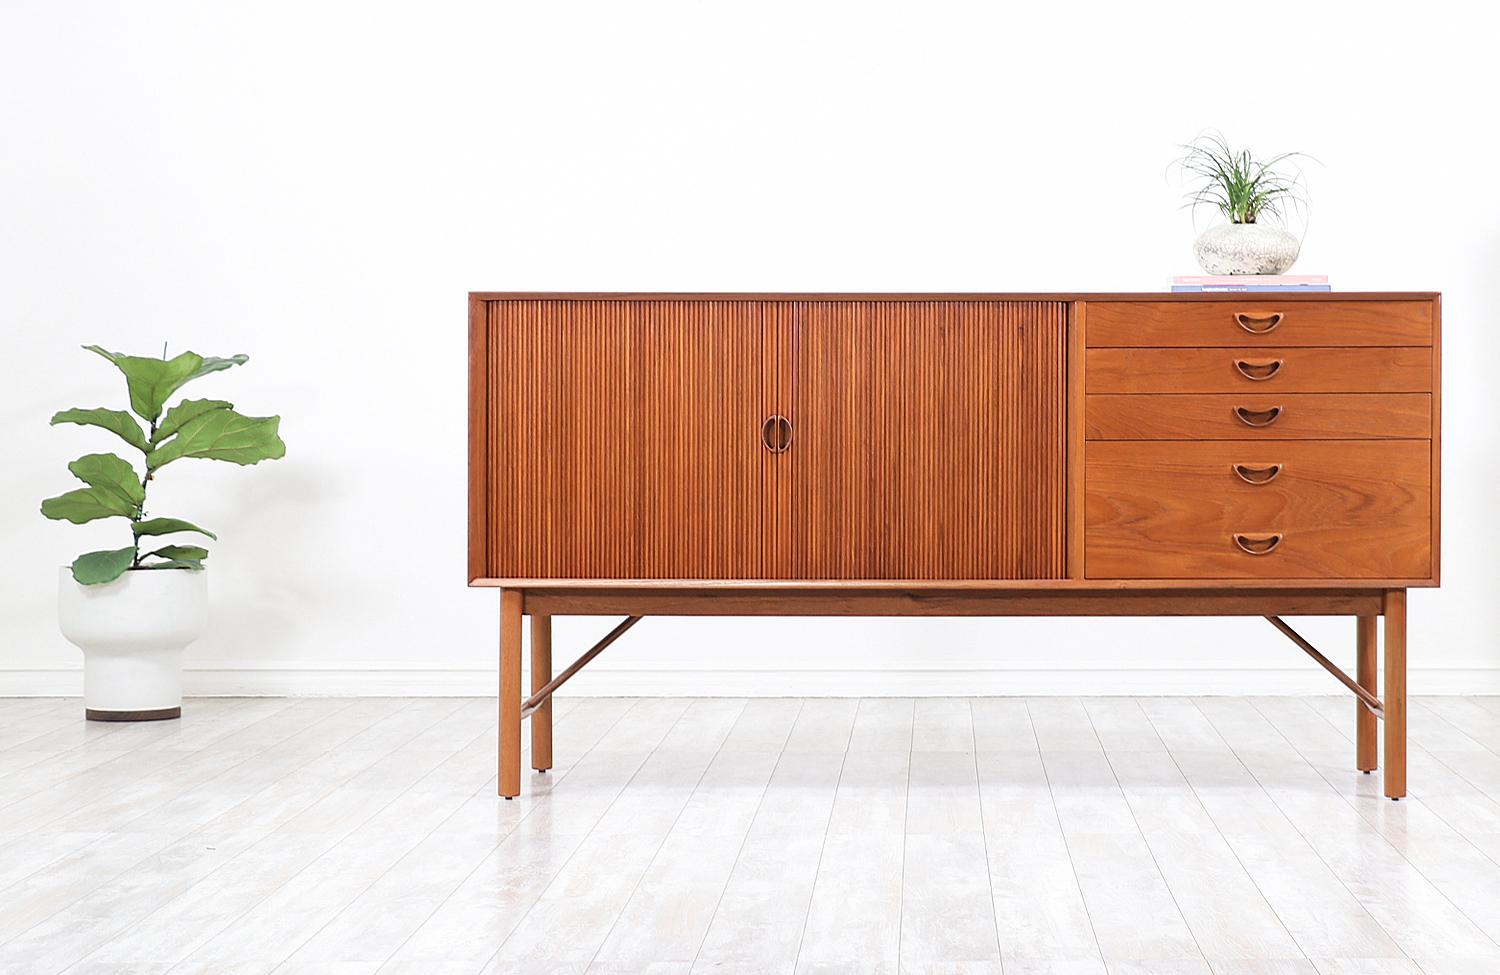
point(1109, 852)
point(854, 918)
point(947, 911)
point(1040, 915)
point(467, 928)
point(668, 915)
point(758, 922)
point(1071, 836)
point(566, 927)
point(1319, 912)
point(1412, 911)
point(1226, 912)
point(1450, 862)
point(315, 809)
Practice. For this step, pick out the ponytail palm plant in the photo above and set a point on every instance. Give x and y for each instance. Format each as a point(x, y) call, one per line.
point(1236, 184)
point(117, 488)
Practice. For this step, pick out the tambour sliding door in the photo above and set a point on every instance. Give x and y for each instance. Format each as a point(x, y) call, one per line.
point(624, 439)
point(708, 369)
point(675, 438)
point(930, 440)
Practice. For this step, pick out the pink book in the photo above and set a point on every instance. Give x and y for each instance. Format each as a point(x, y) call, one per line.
point(1209, 280)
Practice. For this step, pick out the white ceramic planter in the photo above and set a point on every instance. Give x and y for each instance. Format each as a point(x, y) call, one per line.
point(132, 633)
point(1246, 248)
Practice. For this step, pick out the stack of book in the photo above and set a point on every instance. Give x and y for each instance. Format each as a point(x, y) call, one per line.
point(1196, 283)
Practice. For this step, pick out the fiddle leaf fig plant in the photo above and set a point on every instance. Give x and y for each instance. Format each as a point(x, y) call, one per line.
point(115, 488)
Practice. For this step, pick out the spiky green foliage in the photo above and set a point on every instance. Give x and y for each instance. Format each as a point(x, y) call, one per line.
point(193, 428)
point(1239, 186)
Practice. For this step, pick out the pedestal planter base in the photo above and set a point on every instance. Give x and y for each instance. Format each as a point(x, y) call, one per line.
point(133, 632)
point(159, 714)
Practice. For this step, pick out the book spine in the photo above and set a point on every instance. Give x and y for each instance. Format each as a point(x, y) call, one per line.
point(1243, 279)
point(1248, 288)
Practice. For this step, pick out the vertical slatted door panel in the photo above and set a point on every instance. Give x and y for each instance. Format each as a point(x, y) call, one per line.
point(707, 388)
point(779, 319)
point(523, 466)
point(625, 439)
point(599, 396)
point(930, 440)
point(479, 491)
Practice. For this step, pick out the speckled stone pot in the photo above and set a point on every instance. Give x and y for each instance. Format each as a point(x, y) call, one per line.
point(1246, 248)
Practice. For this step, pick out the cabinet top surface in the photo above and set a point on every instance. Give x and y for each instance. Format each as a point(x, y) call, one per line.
point(1241, 296)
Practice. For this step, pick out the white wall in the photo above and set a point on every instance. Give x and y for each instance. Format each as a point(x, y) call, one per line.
point(320, 184)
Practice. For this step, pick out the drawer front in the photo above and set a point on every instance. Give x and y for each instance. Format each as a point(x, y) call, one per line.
point(1217, 510)
point(1129, 324)
point(1258, 416)
point(1268, 370)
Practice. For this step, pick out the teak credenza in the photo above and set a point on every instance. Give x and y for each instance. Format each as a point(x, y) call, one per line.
point(954, 455)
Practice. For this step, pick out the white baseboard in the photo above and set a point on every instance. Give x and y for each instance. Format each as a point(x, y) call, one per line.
point(463, 682)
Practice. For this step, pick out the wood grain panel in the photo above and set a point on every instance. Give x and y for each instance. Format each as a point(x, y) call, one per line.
point(1437, 438)
point(707, 370)
point(930, 440)
point(1077, 326)
point(1203, 599)
point(599, 393)
point(1344, 509)
point(523, 436)
point(1214, 324)
point(625, 439)
point(1287, 416)
point(1363, 370)
point(594, 422)
point(479, 490)
point(1201, 298)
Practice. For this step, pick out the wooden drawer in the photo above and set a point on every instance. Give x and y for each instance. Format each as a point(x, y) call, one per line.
point(1128, 324)
point(1230, 370)
point(1258, 416)
point(1341, 510)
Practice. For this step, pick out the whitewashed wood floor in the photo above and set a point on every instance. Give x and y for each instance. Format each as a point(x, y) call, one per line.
point(1064, 835)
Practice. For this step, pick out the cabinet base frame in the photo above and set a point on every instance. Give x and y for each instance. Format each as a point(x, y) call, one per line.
point(678, 599)
point(545, 692)
point(1366, 697)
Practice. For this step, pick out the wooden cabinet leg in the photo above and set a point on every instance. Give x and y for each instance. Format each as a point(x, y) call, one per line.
point(1395, 693)
point(1367, 647)
point(541, 673)
point(510, 693)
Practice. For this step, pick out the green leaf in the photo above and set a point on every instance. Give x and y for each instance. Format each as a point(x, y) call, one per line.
point(84, 505)
point(113, 489)
point(212, 363)
point(97, 567)
point(195, 553)
point(222, 435)
point(183, 412)
point(117, 422)
point(167, 526)
point(106, 472)
point(174, 564)
point(152, 381)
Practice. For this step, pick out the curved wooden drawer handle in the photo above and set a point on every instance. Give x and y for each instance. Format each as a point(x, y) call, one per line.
point(1257, 418)
point(1258, 544)
point(1258, 326)
point(1256, 475)
point(776, 433)
point(1259, 370)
